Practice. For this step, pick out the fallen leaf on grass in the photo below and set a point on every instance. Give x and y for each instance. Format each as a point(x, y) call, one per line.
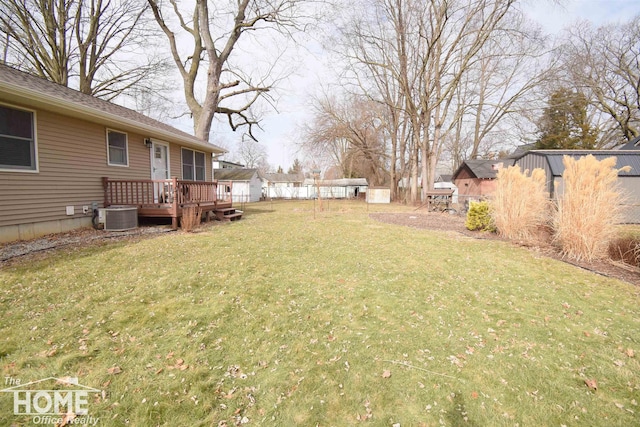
point(66, 420)
point(386, 373)
point(592, 384)
point(630, 352)
point(67, 380)
point(368, 414)
point(114, 370)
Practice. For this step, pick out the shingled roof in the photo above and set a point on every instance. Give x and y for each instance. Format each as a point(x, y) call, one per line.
point(283, 177)
point(482, 168)
point(634, 144)
point(35, 92)
point(234, 174)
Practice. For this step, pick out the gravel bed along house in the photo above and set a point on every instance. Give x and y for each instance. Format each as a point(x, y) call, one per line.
point(75, 238)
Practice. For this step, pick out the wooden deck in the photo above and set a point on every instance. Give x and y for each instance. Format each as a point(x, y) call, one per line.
point(167, 198)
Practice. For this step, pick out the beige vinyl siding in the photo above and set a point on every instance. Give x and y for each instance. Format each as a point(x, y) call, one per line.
point(72, 158)
point(176, 161)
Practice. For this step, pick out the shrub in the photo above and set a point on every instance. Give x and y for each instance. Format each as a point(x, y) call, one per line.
point(191, 216)
point(588, 208)
point(478, 217)
point(520, 206)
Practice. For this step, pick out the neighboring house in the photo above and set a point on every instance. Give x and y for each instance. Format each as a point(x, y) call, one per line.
point(476, 178)
point(634, 144)
point(223, 164)
point(282, 185)
point(343, 188)
point(445, 182)
point(246, 183)
point(444, 178)
point(551, 161)
point(64, 154)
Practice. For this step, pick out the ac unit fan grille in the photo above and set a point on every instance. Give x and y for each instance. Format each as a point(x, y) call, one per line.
point(120, 219)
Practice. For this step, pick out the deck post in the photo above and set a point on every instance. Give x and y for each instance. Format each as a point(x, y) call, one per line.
point(176, 202)
point(105, 185)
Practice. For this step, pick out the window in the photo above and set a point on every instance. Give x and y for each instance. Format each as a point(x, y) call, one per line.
point(17, 139)
point(117, 148)
point(193, 165)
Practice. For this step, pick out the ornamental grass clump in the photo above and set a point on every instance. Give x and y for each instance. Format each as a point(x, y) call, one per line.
point(520, 207)
point(589, 207)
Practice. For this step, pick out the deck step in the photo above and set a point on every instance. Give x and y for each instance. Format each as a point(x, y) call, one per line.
point(228, 214)
point(225, 210)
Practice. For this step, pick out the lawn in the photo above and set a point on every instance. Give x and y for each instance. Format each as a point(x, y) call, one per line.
point(332, 319)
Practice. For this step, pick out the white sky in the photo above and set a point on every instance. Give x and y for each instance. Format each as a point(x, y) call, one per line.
point(279, 128)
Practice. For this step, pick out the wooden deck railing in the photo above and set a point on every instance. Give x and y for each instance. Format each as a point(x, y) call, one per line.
point(167, 193)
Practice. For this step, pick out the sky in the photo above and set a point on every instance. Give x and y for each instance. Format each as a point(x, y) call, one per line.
point(280, 129)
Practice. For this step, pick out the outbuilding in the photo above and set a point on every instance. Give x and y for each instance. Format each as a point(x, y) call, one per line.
point(551, 161)
point(246, 183)
point(476, 178)
point(343, 188)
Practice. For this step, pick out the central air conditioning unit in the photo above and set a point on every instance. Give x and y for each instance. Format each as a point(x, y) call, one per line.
point(118, 218)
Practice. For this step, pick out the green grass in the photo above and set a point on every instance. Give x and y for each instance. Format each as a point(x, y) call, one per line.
point(282, 319)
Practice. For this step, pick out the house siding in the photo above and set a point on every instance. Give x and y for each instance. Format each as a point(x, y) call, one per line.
point(72, 159)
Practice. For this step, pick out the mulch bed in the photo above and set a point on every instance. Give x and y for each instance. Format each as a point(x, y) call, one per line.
point(455, 223)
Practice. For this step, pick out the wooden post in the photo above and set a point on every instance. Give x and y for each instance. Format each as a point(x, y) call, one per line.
point(105, 184)
point(174, 206)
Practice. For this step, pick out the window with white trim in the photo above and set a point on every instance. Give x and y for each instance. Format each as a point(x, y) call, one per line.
point(17, 139)
point(193, 165)
point(117, 148)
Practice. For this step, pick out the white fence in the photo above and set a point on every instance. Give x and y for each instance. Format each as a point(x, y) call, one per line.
point(311, 192)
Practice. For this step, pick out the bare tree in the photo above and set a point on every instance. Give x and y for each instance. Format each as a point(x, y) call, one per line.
point(252, 154)
point(427, 48)
point(351, 132)
point(504, 82)
point(94, 45)
point(604, 64)
point(214, 37)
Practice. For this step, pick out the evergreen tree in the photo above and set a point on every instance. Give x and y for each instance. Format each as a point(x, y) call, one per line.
point(296, 167)
point(564, 123)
